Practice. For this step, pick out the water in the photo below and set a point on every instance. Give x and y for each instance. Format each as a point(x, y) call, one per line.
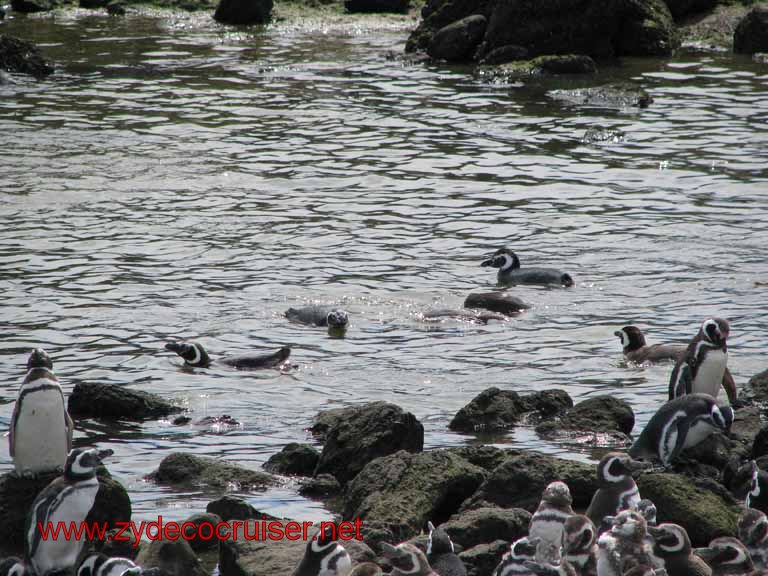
point(178, 179)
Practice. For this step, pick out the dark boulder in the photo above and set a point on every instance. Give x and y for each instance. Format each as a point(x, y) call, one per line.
point(23, 57)
point(458, 41)
point(367, 432)
point(375, 6)
point(599, 414)
point(198, 537)
point(481, 560)
point(327, 419)
point(172, 557)
point(751, 34)
point(243, 11)
point(482, 525)
point(180, 468)
point(683, 8)
point(116, 8)
point(119, 542)
point(112, 402)
point(293, 460)
point(564, 64)
point(502, 302)
point(487, 457)
point(234, 508)
point(320, 487)
point(31, 6)
point(93, 4)
point(503, 54)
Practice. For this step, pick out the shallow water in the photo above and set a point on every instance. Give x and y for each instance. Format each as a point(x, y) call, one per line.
point(178, 179)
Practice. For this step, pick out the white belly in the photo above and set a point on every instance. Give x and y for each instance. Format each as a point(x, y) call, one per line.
point(709, 376)
point(40, 436)
point(116, 566)
point(697, 433)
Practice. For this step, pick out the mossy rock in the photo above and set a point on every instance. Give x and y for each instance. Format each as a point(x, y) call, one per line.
point(180, 468)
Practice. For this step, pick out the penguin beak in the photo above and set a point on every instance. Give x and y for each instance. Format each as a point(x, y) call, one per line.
point(486, 263)
point(173, 347)
point(637, 465)
point(617, 333)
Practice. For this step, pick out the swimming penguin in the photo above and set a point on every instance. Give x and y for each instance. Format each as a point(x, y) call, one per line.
point(617, 490)
point(680, 424)
point(441, 555)
point(324, 556)
point(407, 560)
point(501, 302)
point(194, 355)
point(366, 569)
point(752, 529)
point(548, 520)
point(40, 434)
point(625, 546)
point(98, 564)
point(335, 319)
point(636, 350)
point(580, 545)
point(67, 499)
point(647, 510)
point(510, 271)
point(727, 556)
point(513, 562)
point(702, 368)
point(757, 497)
point(672, 544)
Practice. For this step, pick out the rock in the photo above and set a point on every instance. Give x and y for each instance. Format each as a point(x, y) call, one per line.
point(757, 389)
point(619, 95)
point(293, 460)
point(116, 8)
point(234, 508)
point(495, 409)
point(496, 302)
point(322, 486)
point(180, 468)
point(751, 36)
point(30, 6)
point(243, 11)
point(565, 64)
point(403, 491)
point(23, 57)
point(112, 503)
point(173, 557)
point(482, 525)
point(704, 514)
point(598, 134)
point(93, 4)
point(197, 538)
point(487, 457)
point(367, 432)
point(458, 41)
point(519, 481)
point(760, 445)
point(327, 419)
point(125, 546)
point(112, 402)
point(599, 414)
point(681, 8)
point(374, 6)
point(503, 54)
point(481, 560)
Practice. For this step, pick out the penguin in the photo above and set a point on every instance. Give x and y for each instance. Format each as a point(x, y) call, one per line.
point(324, 556)
point(40, 434)
point(441, 554)
point(580, 545)
point(636, 350)
point(672, 544)
point(548, 520)
point(500, 302)
point(752, 529)
point(513, 562)
point(547, 569)
point(366, 569)
point(13, 566)
point(625, 546)
point(335, 319)
point(194, 355)
point(647, 510)
point(757, 497)
point(99, 564)
point(727, 556)
point(407, 560)
point(66, 499)
point(617, 490)
point(511, 273)
point(679, 424)
point(702, 368)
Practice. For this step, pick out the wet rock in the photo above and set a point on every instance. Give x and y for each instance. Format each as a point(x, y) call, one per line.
point(481, 560)
point(112, 503)
point(198, 538)
point(704, 513)
point(116, 8)
point(552, 64)
point(519, 481)
point(619, 95)
point(322, 486)
point(458, 41)
point(23, 57)
point(404, 490)
point(243, 11)
point(30, 6)
point(93, 4)
point(681, 8)
point(125, 546)
point(173, 557)
point(367, 432)
point(746, 425)
point(234, 508)
point(597, 135)
point(487, 457)
point(373, 6)
point(598, 414)
point(293, 460)
point(757, 389)
point(751, 34)
point(482, 525)
point(502, 302)
point(760, 445)
point(327, 419)
point(180, 468)
point(112, 402)
point(495, 409)
point(503, 54)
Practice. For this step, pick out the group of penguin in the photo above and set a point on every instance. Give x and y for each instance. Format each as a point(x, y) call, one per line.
point(559, 541)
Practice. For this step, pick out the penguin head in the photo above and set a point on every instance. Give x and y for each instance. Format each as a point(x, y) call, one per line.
point(647, 510)
point(39, 359)
point(405, 559)
point(81, 463)
point(503, 258)
point(579, 534)
point(752, 527)
point(715, 330)
point(722, 417)
point(12, 566)
point(754, 485)
point(524, 548)
point(631, 338)
point(557, 494)
point(337, 319)
point(193, 353)
point(91, 564)
point(670, 540)
point(725, 551)
point(630, 525)
point(439, 542)
point(615, 467)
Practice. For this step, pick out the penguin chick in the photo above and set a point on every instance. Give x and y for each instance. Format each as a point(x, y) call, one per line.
point(624, 546)
point(194, 355)
point(548, 520)
point(727, 557)
point(513, 562)
point(324, 556)
point(441, 554)
point(407, 560)
point(647, 510)
point(580, 545)
point(672, 545)
point(617, 490)
point(752, 529)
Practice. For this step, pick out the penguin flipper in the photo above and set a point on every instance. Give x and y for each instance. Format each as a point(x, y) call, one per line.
point(681, 381)
point(70, 426)
point(682, 432)
point(11, 443)
point(729, 385)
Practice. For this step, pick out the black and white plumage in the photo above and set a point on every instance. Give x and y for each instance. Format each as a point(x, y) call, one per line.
point(672, 544)
point(728, 557)
point(194, 355)
point(324, 555)
point(703, 367)
point(562, 568)
point(647, 510)
point(511, 273)
point(331, 317)
point(626, 546)
point(548, 521)
point(66, 499)
point(752, 529)
point(617, 490)
point(40, 434)
point(102, 565)
point(636, 350)
point(407, 560)
point(367, 569)
point(580, 545)
point(679, 424)
point(13, 566)
point(513, 563)
point(441, 554)
point(757, 497)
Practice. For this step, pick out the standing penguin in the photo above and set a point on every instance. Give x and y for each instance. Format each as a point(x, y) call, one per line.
point(757, 497)
point(441, 554)
point(40, 434)
point(407, 560)
point(548, 520)
point(580, 545)
point(679, 424)
point(513, 563)
point(728, 557)
point(752, 530)
point(702, 368)
point(617, 490)
point(625, 547)
point(67, 499)
point(672, 544)
point(324, 556)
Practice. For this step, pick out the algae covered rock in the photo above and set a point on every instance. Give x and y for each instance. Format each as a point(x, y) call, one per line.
point(482, 525)
point(20, 56)
point(597, 415)
point(481, 560)
point(751, 34)
point(172, 557)
point(233, 508)
point(377, 6)
point(112, 402)
point(293, 460)
point(181, 468)
point(243, 11)
point(458, 41)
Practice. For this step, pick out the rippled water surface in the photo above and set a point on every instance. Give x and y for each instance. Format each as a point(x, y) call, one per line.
point(177, 179)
